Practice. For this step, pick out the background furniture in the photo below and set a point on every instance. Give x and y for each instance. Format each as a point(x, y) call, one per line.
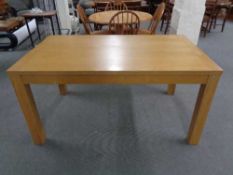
point(99, 5)
point(105, 16)
point(11, 24)
point(116, 6)
point(216, 10)
point(166, 19)
point(9, 40)
point(41, 16)
point(87, 27)
point(155, 20)
point(222, 12)
point(210, 12)
point(13, 27)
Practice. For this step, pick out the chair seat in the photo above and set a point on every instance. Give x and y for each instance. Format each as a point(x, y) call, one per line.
point(144, 32)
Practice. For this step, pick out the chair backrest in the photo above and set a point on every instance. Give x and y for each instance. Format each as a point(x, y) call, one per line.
point(124, 23)
point(116, 5)
point(84, 19)
point(156, 18)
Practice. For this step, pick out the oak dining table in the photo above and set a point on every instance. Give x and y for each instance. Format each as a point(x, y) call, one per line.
point(130, 60)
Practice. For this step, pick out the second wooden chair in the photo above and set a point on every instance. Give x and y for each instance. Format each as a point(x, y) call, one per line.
point(124, 23)
point(155, 21)
point(86, 24)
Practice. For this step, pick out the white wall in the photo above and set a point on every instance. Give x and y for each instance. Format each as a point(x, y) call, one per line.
point(63, 13)
point(187, 18)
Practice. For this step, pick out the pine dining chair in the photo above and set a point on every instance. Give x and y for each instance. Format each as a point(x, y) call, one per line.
point(86, 24)
point(155, 21)
point(124, 23)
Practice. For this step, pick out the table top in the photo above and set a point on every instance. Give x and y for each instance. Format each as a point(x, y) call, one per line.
point(93, 55)
point(9, 24)
point(42, 14)
point(105, 16)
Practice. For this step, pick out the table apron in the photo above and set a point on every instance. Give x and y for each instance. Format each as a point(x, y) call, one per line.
point(114, 79)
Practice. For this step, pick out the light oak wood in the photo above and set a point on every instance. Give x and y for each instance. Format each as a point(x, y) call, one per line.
point(62, 89)
point(105, 16)
point(171, 89)
point(115, 78)
point(174, 55)
point(201, 110)
point(28, 106)
point(115, 60)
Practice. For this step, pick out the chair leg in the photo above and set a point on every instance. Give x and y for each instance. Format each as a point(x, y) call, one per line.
point(215, 23)
point(62, 89)
point(205, 30)
point(167, 26)
point(171, 88)
point(210, 24)
point(95, 26)
point(161, 27)
point(223, 24)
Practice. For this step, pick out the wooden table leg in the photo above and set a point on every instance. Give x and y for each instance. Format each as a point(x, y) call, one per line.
point(62, 89)
point(171, 88)
point(28, 106)
point(204, 99)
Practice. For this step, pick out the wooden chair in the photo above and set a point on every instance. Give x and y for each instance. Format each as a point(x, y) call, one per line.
point(208, 19)
point(86, 23)
point(155, 20)
point(116, 5)
point(166, 18)
point(222, 12)
point(124, 23)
